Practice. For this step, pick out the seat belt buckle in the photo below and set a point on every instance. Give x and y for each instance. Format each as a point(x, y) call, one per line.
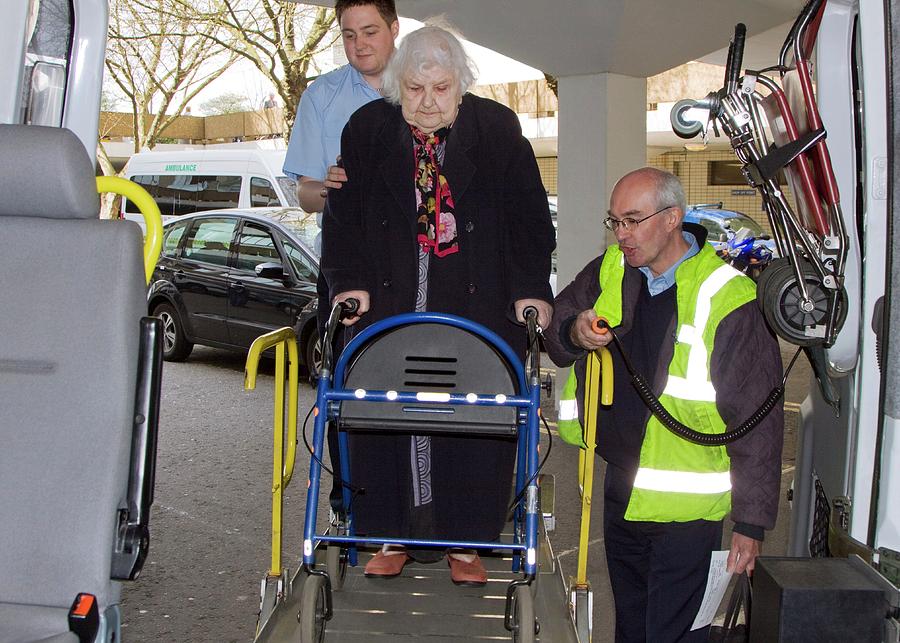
point(84, 618)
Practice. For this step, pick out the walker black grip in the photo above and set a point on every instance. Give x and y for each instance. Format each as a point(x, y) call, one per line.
point(349, 307)
point(735, 57)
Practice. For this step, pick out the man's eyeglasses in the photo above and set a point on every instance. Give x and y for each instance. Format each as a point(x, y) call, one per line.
point(629, 223)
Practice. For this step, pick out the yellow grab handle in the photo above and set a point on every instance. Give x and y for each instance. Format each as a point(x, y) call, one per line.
point(284, 340)
point(598, 388)
point(260, 345)
point(149, 210)
point(606, 377)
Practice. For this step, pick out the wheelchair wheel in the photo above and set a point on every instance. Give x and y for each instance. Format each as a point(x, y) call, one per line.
point(524, 625)
point(336, 565)
point(779, 296)
point(312, 615)
point(681, 124)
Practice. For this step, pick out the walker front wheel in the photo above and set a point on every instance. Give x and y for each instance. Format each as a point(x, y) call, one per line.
point(524, 624)
point(313, 607)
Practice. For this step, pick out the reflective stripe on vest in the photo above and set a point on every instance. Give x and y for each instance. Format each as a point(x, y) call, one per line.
point(568, 410)
point(683, 481)
point(697, 384)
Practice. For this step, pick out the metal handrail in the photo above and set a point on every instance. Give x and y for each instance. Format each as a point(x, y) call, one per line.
point(284, 341)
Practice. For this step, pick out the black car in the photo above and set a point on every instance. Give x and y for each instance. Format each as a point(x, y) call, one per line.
point(225, 277)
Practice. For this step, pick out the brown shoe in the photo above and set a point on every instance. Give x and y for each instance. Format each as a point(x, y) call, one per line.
point(471, 574)
point(382, 566)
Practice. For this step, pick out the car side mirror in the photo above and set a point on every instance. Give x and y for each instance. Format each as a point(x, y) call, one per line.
point(270, 270)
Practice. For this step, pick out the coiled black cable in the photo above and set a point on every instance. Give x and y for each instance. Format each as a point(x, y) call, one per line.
point(685, 432)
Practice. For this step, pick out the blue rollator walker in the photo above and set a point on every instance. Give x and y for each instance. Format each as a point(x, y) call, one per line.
point(448, 361)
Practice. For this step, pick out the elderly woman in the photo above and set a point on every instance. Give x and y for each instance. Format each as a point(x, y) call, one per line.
point(443, 211)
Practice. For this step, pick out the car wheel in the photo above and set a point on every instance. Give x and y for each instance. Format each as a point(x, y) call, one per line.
point(176, 346)
point(313, 356)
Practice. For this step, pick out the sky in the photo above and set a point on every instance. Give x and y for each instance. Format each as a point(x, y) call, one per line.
point(242, 77)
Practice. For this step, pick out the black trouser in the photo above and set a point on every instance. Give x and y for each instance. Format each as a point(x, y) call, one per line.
point(658, 571)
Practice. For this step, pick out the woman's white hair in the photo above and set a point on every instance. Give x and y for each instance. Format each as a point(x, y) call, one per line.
point(433, 45)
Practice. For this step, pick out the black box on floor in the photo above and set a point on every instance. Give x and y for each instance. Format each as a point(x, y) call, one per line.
point(815, 599)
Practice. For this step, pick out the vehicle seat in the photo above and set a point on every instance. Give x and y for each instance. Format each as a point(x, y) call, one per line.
point(72, 295)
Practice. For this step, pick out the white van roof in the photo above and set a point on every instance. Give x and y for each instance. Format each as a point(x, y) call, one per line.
point(194, 161)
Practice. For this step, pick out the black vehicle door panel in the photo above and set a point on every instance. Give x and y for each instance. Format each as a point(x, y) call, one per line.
point(257, 305)
point(202, 274)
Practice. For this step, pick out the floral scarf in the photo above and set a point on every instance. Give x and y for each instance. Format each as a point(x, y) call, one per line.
point(436, 224)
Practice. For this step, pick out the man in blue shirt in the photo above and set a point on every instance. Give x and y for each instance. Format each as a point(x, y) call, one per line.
point(368, 30)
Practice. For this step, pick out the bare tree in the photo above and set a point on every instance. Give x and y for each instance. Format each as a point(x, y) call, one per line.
point(227, 103)
point(279, 37)
point(552, 83)
point(160, 59)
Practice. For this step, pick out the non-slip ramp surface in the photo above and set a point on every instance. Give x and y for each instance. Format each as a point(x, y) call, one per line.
point(423, 604)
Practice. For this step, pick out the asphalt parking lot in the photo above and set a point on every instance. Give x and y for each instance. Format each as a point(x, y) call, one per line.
point(210, 525)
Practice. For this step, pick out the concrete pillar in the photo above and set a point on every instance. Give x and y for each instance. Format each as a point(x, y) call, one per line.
point(602, 135)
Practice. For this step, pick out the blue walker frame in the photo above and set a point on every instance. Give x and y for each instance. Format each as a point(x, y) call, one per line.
point(329, 396)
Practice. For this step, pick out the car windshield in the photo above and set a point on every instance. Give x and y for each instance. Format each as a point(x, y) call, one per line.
point(289, 187)
point(302, 224)
point(736, 223)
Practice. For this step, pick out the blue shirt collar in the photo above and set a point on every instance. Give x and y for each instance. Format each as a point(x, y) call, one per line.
point(666, 280)
point(358, 79)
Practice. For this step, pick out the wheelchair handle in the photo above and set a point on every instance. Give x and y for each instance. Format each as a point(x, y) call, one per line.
point(735, 57)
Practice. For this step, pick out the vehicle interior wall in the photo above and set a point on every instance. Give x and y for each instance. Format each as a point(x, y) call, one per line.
point(887, 529)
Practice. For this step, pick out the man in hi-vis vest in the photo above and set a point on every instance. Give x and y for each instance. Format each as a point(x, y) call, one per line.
point(690, 324)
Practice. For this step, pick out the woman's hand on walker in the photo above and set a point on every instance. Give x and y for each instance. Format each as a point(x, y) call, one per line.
point(361, 296)
point(544, 311)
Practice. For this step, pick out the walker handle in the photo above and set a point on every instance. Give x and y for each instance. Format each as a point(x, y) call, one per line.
point(349, 307)
point(533, 353)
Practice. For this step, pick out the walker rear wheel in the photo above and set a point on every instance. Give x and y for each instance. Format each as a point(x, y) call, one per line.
point(312, 616)
point(524, 624)
point(336, 565)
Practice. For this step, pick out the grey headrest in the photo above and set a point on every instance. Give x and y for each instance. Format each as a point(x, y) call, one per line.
point(45, 172)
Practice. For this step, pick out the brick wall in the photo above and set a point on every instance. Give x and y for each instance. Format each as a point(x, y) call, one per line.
point(548, 166)
point(693, 170)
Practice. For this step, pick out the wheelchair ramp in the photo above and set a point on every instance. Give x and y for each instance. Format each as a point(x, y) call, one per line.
point(423, 604)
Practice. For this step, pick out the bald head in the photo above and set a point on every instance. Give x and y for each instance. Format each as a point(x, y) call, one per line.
point(647, 208)
point(665, 186)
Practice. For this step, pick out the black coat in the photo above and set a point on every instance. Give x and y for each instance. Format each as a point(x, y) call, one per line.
point(505, 233)
point(505, 243)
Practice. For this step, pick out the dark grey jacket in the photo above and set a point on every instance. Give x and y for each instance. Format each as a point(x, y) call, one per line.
point(745, 366)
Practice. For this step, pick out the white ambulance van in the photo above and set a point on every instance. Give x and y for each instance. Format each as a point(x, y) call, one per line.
point(188, 181)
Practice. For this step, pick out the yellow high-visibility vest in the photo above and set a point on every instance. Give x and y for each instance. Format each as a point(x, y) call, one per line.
point(677, 480)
